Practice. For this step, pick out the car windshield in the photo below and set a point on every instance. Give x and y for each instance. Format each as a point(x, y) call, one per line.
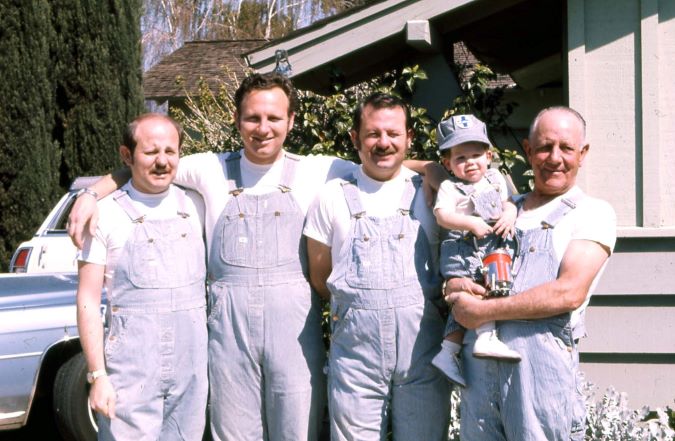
point(62, 217)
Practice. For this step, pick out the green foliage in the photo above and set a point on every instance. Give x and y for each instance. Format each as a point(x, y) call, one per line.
point(486, 102)
point(98, 80)
point(208, 119)
point(28, 178)
point(71, 81)
point(322, 123)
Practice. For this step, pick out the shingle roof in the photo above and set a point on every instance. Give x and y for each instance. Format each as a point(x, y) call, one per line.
point(463, 56)
point(207, 59)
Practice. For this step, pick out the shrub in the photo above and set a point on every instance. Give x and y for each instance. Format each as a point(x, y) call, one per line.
point(610, 419)
point(322, 123)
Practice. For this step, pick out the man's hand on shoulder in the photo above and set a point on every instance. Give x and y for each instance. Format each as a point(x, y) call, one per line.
point(84, 214)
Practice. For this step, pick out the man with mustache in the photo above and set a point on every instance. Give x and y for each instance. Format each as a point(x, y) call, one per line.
point(565, 240)
point(373, 250)
point(266, 353)
point(148, 376)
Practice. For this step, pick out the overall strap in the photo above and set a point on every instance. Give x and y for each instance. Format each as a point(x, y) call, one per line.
point(351, 192)
point(464, 188)
point(234, 173)
point(567, 204)
point(123, 199)
point(291, 162)
point(182, 202)
point(492, 175)
point(412, 184)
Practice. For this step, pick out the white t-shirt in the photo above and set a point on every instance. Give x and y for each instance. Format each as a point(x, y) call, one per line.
point(207, 174)
point(115, 226)
point(593, 219)
point(450, 198)
point(328, 220)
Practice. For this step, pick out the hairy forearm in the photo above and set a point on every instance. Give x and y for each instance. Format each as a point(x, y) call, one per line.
point(580, 265)
point(547, 300)
point(416, 165)
point(319, 285)
point(90, 327)
point(111, 182)
point(89, 321)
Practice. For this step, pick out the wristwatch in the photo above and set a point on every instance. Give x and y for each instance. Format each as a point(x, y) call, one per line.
point(87, 191)
point(92, 376)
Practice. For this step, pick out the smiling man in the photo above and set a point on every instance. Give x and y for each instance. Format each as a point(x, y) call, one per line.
point(373, 245)
point(565, 238)
point(148, 376)
point(266, 352)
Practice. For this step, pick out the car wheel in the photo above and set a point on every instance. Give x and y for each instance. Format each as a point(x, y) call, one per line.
point(74, 417)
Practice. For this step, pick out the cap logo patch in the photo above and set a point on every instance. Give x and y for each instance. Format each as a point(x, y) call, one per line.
point(462, 121)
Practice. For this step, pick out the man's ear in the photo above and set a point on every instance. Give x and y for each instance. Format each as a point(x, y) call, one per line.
point(446, 162)
point(236, 120)
point(527, 149)
point(291, 121)
point(355, 138)
point(127, 157)
point(583, 152)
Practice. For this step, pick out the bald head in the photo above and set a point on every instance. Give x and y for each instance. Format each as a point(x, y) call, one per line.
point(129, 137)
point(559, 109)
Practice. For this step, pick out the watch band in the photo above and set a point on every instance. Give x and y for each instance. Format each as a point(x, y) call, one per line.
point(93, 375)
point(87, 191)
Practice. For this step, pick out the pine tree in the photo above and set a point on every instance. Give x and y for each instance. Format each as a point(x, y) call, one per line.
point(28, 176)
point(98, 79)
point(71, 81)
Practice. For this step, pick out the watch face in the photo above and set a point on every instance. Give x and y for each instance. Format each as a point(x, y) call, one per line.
point(91, 376)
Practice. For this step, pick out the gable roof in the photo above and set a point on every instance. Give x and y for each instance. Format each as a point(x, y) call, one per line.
point(207, 59)
point(508, 35)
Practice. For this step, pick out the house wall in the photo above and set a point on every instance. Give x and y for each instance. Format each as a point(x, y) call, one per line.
point(436, 95)
point(620, 69)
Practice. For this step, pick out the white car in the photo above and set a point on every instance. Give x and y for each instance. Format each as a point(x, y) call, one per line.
point(51, 250)
point(41, 358)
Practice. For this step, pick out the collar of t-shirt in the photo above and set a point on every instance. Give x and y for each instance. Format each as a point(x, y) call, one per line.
point(381, 199)
point(153, 205)
point(260, 178)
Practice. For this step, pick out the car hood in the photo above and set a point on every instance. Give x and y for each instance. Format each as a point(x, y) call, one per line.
point(33, 290)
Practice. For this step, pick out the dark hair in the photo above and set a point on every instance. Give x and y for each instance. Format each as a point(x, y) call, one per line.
point(381, 100)
point(129, 136)
point(266, 81)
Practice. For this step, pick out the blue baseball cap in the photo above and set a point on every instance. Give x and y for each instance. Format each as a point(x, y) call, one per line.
point(459, 129)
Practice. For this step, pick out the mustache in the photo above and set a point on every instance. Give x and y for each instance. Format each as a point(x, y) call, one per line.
point(387, 150)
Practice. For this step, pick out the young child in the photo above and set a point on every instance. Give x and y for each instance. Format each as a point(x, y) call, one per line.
point(472, 202)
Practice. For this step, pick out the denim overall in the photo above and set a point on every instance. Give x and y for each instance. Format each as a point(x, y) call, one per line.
point(385, 329)
point(156, 343)
point(459, 257)
point(265, 341)
point(462, 255)
point(537, 398)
